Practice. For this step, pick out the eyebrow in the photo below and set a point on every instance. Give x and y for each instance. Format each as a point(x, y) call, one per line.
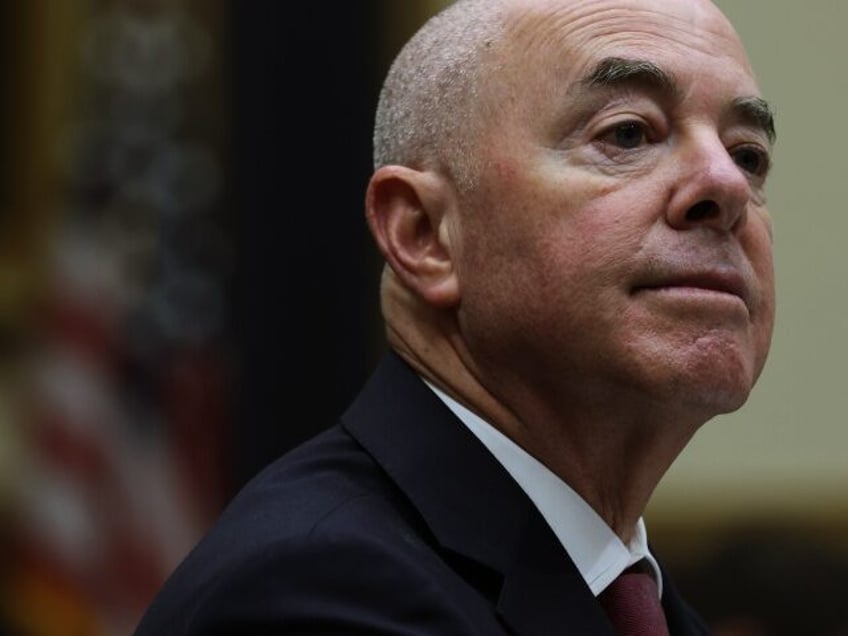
point(757, 111)
point(614, 72)
point(617, 72)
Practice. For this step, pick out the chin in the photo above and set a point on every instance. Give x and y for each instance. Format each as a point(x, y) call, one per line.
point(722, 400)
point(711, 378)
point(717, 386)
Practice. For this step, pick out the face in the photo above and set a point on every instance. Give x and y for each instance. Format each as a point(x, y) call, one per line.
point(617, 242)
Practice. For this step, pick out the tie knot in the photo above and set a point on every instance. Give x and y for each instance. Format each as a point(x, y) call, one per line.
point(633, 605)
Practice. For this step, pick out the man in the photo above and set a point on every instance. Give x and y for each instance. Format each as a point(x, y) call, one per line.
point(569, 196)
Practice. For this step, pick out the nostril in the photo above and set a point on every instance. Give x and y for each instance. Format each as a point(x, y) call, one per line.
point(702, 210)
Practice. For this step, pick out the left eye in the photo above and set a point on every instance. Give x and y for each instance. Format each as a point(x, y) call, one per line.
point(751, 160)
point(627, 135)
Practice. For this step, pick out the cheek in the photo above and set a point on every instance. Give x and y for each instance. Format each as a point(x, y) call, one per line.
point(756, 242)
point(561, 236)
point(764, 320)
point(598, 241)
point(757, 245)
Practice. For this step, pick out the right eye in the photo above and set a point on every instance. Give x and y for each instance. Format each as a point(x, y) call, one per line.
point(626, 135)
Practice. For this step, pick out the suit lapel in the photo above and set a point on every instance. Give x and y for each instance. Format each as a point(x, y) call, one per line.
point(682, 621)
point(471, 504)
point(543, 592)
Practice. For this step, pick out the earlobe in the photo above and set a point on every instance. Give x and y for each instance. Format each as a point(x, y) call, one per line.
point(407, 211)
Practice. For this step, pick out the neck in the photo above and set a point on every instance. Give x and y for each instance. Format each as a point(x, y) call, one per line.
point(611, 449)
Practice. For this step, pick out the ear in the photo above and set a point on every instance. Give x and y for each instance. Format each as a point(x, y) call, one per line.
point(407, 210)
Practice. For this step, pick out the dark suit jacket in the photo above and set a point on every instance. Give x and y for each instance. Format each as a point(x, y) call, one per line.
point(396, 521)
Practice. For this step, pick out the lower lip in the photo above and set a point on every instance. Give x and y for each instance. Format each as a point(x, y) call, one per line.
point(698, 295)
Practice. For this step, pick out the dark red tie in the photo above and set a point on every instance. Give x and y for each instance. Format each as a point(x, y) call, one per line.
point(633, 605)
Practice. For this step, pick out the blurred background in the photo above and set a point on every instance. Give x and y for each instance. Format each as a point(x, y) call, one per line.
point(187, 289)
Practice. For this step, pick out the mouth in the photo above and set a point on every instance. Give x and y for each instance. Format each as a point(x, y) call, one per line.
point(727, 284)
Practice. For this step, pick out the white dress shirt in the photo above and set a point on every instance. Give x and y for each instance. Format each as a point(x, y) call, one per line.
point(596, 550)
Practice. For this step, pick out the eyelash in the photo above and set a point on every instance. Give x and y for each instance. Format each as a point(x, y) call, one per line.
point(608, 138)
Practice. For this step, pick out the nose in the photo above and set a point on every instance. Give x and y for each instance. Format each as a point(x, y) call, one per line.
point(712, 190)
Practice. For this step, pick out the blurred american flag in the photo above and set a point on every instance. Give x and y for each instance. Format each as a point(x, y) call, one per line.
point(115, 403)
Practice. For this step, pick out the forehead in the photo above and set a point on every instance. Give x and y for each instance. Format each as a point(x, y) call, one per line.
point(567, 37)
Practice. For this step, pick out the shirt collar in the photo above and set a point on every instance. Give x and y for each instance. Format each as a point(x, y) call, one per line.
point(598, 553)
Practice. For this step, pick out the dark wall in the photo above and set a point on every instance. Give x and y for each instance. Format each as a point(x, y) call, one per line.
point(5, 72)
point(305, 84)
